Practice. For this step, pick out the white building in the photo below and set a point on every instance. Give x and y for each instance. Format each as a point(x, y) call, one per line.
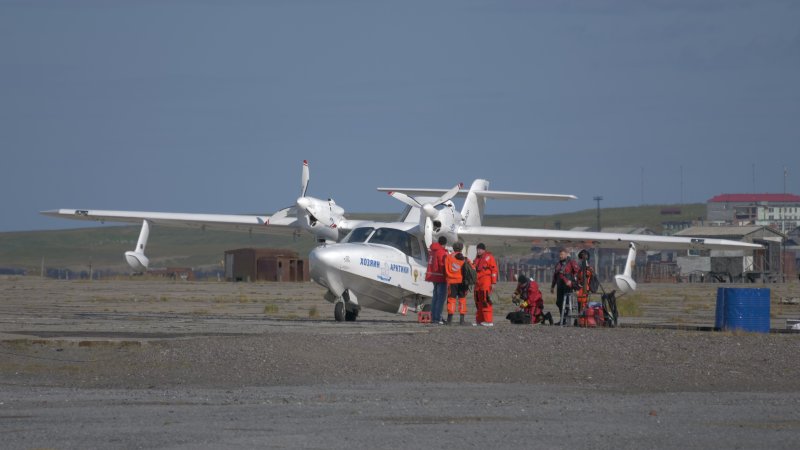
point(778, 211)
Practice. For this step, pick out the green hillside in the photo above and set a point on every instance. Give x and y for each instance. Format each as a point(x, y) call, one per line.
point(640, 216)
point(103, 247)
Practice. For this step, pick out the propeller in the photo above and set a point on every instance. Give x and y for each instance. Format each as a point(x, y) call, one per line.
point(304, 179)
point(428, 209)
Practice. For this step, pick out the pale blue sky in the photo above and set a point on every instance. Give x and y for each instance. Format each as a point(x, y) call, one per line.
point(210, 106)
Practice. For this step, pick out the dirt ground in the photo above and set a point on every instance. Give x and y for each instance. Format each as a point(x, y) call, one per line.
point(165, 364)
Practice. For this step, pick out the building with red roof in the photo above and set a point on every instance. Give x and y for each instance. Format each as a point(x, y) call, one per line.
point(779, 211)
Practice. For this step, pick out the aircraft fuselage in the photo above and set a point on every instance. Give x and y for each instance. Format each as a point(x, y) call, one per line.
point(375, 275)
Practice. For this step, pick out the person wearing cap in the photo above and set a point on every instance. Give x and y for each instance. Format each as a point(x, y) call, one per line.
point(584, 278)
point(486, 267)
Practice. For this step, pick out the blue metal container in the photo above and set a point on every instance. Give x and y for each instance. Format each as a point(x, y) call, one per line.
point(743, 309)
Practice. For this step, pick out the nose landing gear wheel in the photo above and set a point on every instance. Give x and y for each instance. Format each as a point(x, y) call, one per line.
point(339, 312)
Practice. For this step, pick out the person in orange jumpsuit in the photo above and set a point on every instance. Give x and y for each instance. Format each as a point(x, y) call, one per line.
point(486, 266)
point(584, 278)
point(456, 290)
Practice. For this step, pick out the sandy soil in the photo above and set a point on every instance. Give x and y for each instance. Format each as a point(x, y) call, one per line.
point(150, 363)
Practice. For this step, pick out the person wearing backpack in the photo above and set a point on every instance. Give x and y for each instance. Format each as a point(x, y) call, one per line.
point(585, 278)
point(486, 267)
point(456, 289)
point(435, 274)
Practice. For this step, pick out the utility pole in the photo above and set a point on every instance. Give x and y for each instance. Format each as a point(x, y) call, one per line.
point(597, 198)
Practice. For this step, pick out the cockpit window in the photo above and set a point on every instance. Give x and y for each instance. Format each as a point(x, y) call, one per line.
point(358, 234)
point(398, 239)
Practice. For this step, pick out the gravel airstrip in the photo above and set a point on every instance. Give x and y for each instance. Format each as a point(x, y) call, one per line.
point(166, 364)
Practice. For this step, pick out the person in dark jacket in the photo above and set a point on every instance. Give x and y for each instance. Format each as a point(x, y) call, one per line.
point(563, 279)
point(435, 274)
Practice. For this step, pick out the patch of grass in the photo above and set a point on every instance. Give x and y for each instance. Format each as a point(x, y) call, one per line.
point(313, 313)
point(628, 306)
point(271, 309)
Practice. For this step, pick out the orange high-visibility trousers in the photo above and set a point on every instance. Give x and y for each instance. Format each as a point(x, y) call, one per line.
point(456, 293)
point(483, 308)
point(462, 305)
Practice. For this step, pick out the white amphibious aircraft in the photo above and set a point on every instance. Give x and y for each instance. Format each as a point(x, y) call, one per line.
point(382, 265)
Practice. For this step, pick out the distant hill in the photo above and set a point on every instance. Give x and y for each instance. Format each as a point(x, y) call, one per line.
point(103, 247)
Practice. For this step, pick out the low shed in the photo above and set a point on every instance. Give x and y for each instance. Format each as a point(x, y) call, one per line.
point(265, 264)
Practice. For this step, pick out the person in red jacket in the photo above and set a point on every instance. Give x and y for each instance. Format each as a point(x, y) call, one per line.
point(435, 274)
point(564, 281)
point(456, 290)
point(529, 298)
point(486, 266)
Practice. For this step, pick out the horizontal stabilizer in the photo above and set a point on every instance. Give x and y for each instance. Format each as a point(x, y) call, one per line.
point(462, 193)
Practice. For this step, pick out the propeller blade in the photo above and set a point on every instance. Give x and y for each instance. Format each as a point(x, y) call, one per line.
point(304, 179)
point(448, 195)
point(427, 232)
point(410, 201)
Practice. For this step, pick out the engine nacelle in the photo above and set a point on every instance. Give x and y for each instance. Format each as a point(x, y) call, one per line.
point(445, 223)
point(319, 217)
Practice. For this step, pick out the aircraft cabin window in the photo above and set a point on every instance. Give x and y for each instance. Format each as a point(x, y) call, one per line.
point(415, 250)
point(394, 238)
point(359, 234)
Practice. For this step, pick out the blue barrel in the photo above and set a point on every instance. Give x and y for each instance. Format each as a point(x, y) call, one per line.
point(743, 309)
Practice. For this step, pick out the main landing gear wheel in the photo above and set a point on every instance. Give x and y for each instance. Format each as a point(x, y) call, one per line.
point(339, 312)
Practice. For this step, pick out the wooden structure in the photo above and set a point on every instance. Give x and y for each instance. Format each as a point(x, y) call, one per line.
point(265, 264)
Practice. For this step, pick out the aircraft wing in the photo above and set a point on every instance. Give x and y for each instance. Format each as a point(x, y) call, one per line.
point(553, 238)
point(225, 222)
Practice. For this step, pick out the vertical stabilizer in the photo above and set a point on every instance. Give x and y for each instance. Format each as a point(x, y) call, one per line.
point(472, 212)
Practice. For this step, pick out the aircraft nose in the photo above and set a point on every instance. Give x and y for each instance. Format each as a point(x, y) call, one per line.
point(325, 268)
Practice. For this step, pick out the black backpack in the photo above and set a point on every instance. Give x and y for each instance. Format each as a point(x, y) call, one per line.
point(519, 317)
point(468, 275)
